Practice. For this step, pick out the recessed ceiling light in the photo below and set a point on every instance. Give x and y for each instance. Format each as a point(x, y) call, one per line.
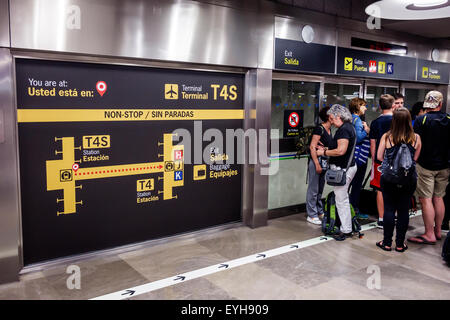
point(409, 9)
point(435, 54)
point(428, 3)
point(308, 34)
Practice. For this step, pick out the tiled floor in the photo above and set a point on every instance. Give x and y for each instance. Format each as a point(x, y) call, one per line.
point(330, 270)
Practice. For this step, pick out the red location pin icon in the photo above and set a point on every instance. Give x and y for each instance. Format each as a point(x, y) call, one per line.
point(101, 87)
point(75, 167)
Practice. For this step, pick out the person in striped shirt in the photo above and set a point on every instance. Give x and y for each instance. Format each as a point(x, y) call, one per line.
point(358, 108)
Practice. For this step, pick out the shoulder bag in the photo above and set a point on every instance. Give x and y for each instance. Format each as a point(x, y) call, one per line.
point(338, 177)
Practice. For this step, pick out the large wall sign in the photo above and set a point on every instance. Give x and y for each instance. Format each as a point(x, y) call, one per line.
point(301, 56)
point(434, 72)
point(375, 65)
point(100, 166)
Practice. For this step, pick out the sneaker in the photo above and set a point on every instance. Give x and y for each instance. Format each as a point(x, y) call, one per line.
point(314, 220)
point(380, 224)
point(342, 236)
point(362, 216)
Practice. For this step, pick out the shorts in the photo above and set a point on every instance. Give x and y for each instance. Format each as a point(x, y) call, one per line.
point(431, 183)
point(375, 176)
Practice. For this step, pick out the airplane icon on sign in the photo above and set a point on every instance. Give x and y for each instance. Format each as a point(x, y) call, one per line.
point(171, 91)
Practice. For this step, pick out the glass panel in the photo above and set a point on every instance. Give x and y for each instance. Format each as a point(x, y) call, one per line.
point(373, 95)
point(339, 93)
point(294, 95)
point(336, 93)
point(415, 95)
point(287, 187)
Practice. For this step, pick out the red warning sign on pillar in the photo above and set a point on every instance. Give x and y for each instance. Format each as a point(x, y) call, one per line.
point(293, 121)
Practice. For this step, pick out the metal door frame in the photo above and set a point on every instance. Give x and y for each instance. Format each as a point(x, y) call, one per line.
point(416, 85)
point(284, 76)
point(322, 79)
point(301, 77)
point(296, 77)
point(342, 80)
point(426, 86)
point(382, 84)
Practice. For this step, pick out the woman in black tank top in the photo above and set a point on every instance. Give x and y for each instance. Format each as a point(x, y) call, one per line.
point(397, 197)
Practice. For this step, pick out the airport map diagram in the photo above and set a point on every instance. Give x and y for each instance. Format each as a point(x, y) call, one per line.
point(66, 174)
point(101, 165)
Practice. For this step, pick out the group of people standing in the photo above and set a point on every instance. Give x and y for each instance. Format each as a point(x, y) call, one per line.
point(424, 136)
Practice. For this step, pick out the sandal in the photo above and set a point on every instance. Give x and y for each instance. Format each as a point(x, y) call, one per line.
point(403, 248)
point(421, 240)
point(380, 244)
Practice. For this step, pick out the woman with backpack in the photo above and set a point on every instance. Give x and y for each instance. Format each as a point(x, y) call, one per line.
point(399, 150)
point(316, 169)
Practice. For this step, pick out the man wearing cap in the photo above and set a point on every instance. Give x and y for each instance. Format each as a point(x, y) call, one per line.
point(432, 166)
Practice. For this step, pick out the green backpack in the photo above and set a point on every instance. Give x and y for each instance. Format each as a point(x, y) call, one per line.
point(331, 221)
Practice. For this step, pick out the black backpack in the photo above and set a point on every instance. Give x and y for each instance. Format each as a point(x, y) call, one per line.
point(331, 221)
point(400, 169)
point(446, 250)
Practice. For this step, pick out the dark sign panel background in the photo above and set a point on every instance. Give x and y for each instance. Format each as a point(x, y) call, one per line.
point(404, 68)
point(311, 57)
point(428, 70)
point(109, 215)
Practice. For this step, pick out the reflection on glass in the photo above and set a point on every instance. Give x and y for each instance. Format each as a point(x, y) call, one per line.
point(373, 95)
point(339, 94)
point(415, 95)
point(294, 95)
point(335, 93)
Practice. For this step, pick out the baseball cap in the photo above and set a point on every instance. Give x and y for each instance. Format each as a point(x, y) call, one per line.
point(433, 99)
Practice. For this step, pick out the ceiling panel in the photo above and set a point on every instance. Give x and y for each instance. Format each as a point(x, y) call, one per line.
point(434, 28)
point(355, 9)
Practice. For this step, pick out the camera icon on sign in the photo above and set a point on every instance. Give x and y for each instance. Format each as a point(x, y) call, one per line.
point(65, 175)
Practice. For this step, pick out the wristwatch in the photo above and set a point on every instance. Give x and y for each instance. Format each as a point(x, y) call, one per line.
point(325, 152)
